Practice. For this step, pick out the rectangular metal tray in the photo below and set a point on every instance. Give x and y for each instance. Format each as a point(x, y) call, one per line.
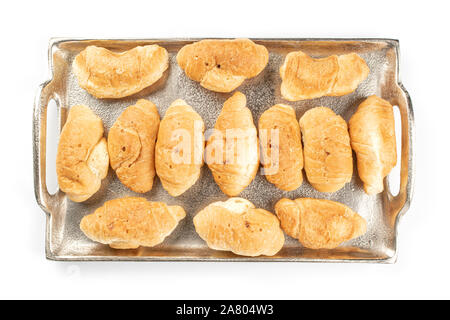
point(64, 239)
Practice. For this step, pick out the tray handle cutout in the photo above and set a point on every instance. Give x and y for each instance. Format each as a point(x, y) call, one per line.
point(400, 203)
point(45, 94)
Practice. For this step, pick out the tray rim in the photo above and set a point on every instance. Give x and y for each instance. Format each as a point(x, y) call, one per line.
point(409, 189)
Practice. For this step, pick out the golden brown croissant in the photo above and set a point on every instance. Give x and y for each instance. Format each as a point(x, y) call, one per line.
point(327, 151)
point(319, 224)
point(222, 65)
point(352, 71)
point(131, 145)
point(107, 74)
point(304, 77)
point(232, 151)
point(82, 158)
point(235, 225)
point(179, 148)
point(128, 223)
point(282, 153)
point(372, 133)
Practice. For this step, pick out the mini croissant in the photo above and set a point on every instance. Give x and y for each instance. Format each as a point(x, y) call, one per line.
point(82, 159)
point(308, 78)
point(372, 133)
point(107, 74)
point(327, 151)
point(179, 148)
point(222, 65)
point(236, 225)
point(232, 151)
point(131, 145)
point(319, 224)
point(127, 223)
point(282, 153)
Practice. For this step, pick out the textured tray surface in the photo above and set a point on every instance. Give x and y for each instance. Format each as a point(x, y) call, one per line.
point(66, 241)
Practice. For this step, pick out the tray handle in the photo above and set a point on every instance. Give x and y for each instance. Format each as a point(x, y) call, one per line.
point(45, 93)
point(400, 203)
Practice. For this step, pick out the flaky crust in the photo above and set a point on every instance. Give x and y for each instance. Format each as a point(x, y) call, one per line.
point(235, 225)
point(82, 157)
point(107, 74)
point(285, 156)
point(319, 224)
point(372, 133)
point(232, 151)
point(131, 145)
point(128, 223)
point(179, 148)
point(352, 71)
point(222, 65)
point(307, 78)
point(304, 77)
point(327, 151)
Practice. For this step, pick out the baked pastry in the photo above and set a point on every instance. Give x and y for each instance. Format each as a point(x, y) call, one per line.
point(82, 157)
point(222, 65)
point(327, 151)
point(308, 78)
point(179, 148)
point(107, 74)
point(281, 146)
point(128, 223)
point(319, 224)
point(372, 136)
point(237, 226)
point(131, 145)
point(352, 71)
point(232, 151)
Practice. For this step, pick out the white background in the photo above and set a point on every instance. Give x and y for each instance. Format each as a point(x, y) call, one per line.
point(422, 270)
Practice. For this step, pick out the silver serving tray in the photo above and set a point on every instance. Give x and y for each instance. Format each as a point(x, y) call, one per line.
point(64, 239)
